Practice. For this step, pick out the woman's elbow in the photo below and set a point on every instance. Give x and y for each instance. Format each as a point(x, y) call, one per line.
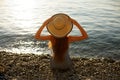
point(37, 37)
point(85, 37)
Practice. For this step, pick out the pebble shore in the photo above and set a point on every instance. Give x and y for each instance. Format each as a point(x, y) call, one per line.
point(37, 67)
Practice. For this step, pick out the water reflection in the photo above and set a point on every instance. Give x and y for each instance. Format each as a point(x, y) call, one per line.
point(19, 15)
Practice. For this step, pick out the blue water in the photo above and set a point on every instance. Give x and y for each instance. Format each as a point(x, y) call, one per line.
point(20, 19)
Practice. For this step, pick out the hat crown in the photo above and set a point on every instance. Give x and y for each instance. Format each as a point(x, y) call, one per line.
point(59, 23)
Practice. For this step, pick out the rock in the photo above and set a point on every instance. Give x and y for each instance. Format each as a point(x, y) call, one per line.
point(2, 68)
point(108, 60)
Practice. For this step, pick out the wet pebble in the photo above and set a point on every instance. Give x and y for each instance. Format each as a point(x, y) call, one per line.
point(107, 60)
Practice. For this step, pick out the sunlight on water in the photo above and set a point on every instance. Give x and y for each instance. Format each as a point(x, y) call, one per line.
point(21, 16)
point(24, 14)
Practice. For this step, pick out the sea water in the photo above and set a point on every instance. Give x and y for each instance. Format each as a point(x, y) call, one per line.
point(20, 19)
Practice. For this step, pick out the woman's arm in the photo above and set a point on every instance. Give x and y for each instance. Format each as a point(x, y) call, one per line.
point(78, 38)
point(38, 33)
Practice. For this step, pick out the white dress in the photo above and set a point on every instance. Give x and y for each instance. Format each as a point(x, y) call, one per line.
point(66, 64)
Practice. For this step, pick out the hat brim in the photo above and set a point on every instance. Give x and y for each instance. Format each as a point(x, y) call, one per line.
point(62, 32)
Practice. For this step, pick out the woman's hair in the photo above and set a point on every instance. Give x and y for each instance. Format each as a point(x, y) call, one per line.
point(60, 47)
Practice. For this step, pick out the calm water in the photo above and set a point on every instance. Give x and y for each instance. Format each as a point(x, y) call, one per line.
point(20, 19)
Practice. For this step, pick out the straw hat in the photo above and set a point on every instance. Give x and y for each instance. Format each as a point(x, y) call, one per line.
point(60, 25)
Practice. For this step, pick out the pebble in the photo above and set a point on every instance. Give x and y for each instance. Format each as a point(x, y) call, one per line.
point(2, 68)
point(108, 60)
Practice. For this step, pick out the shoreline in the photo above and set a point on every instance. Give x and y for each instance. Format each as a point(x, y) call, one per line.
point(37, 67)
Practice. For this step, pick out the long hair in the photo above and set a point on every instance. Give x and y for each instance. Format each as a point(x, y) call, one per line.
point(60, 48)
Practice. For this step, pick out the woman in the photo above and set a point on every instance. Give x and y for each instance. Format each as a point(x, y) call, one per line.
point(59, 26)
